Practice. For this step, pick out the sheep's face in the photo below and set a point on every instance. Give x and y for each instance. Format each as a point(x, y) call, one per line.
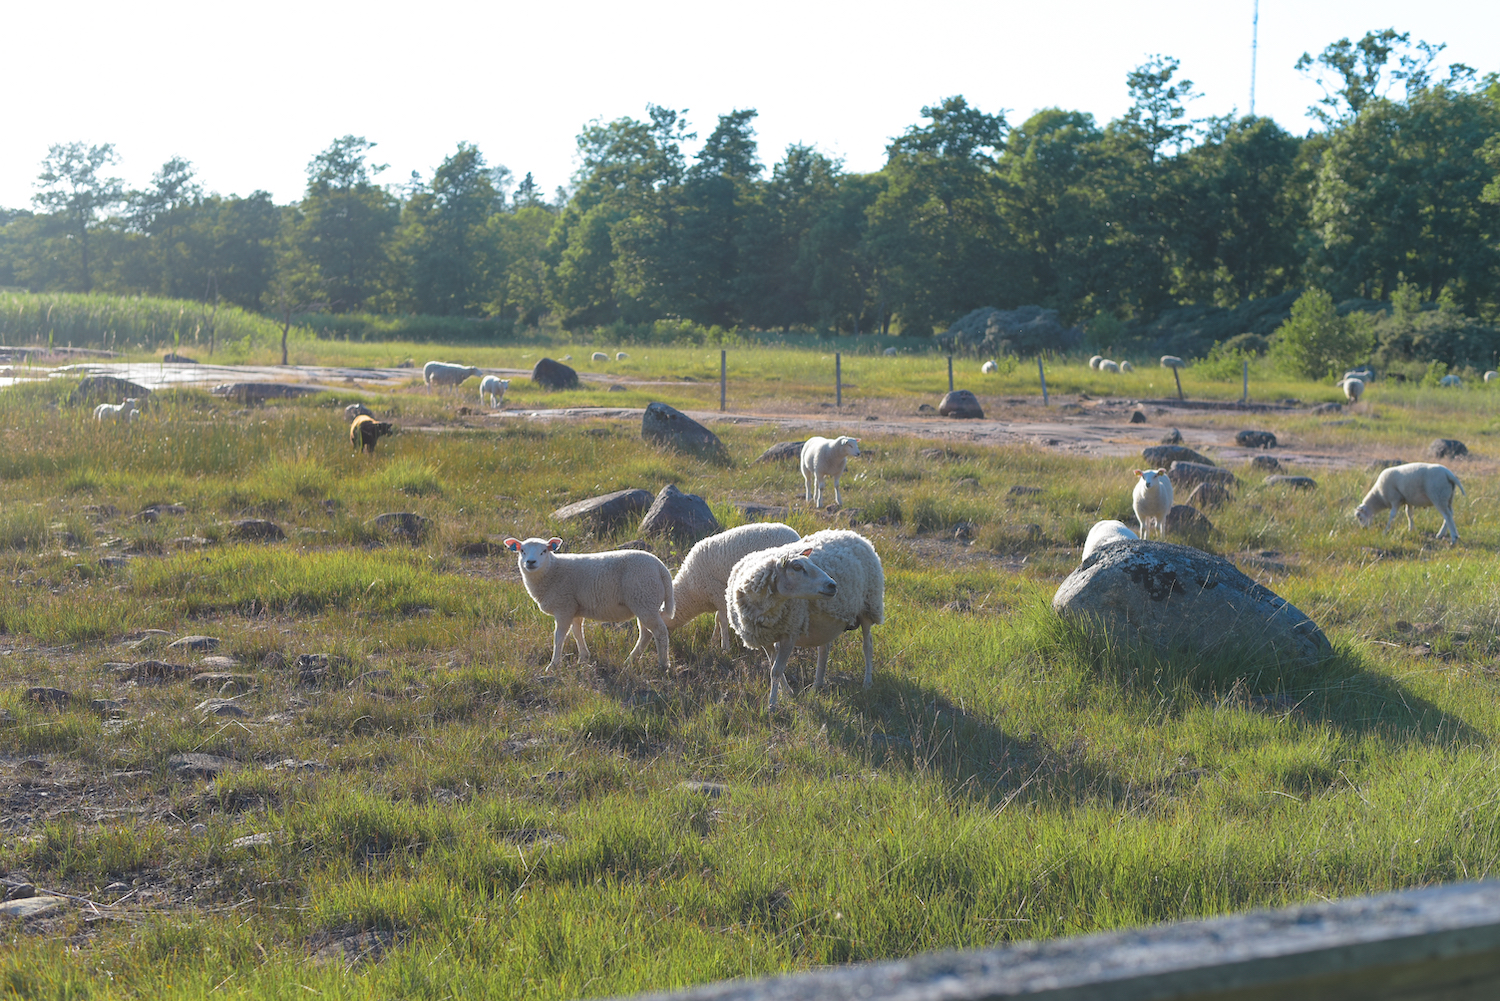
point(1150, 476)
point(799, 577)
point(535, 554)
point(1363, 515)
point(847, 445)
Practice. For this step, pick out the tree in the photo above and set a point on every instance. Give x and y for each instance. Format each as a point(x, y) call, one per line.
point(162, 214)
point(341, 231)
point(73, 188)
point(1353, 74)
point(447, 248)
point(1156, 112)
point(1315, 342)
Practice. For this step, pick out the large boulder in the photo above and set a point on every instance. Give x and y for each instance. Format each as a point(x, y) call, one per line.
point(1165, 455)
point(1208, 494)
point(98, 389)
point(1023, 331)
point(554, 375)
point(1187, 474)
point(1189, 524)
point(684, 518)
point(960, 403)
point(782, 451)
point(1171, 597)
point(671, 428)
point(1447, 448)
point(607, 511)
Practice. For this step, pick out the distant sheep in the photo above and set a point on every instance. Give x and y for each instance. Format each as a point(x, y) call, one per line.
point(566, 358)
point(890, 352)
point(1094, 361)
point(1125, 366)
point(1151, 500)
point(1104, 533)
point(1451, 381)
point(808, 594)
point(700, 584)
point(1365, 375)
point(599, 356)
point(609, 587)
point(1353, 389)
point(1415, 484)
point(354, 410)
point(494, 387)
point(1491, 375)
point(366, 431)
point(989, 368)
point(1108, 366)
point(621, 356)
point(441, 373)
point(117, 411)
point(825, 457)
point(1172, 361)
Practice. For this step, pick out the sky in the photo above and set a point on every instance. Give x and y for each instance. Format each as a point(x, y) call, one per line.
point(251, 92)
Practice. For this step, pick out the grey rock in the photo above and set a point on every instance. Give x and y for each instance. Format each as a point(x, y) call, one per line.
point(219, 663)
point(1185, 474)
point(256, 392)
point(194, 643)
point(113, 562)
point(1169, 596)
point(1137, 417)
point(669, 427)
point(172, 358)
point(7, 718)
point(260, 840)
point(926, 408)
point(1266, 463)
point(616, 388)
point(1025, 330)
point(196, 764)
point(1447, 448)
point(1021, 490)
point(1376, 465)
point(1165, 455)
point(255, 530)
point(222, 707)
point(106, 389)
point(1328, 408)
point(761, 512)
point(52, 698)
point(606, 511)
point(1208, 494)
point(962, 404)
point(1295, 482)
point(106, 707)
point(782, 451)
point(218, 679)
point(20, 891)
point(101, 512)
point(554, 375)
point(712, 790)
point(1172, 437)
point(684, 518)
point(1255, 439)
point(296, 765)
point(1188, 523)
point(150, 671)
point(32, 907)
point(403, 524)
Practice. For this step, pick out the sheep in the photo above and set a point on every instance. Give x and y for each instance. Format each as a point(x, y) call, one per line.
point(807, 594)
point(1491, 375)
point(354, 410)
point(566, 358)
point(989, 368)
point(1365, 375)
point(1094, 361)
point(494, 387)
point(822, 457)
point(441, 373)
point(1353, 389)
point(1104, 533)
point(1152, 499)
point(1125, 366)
point(117, 411)
point(704, 575)
point(890, 352)
point(1172, 361)
point(1108, 366)
point(621, 356)
point(610, 587)
point(599, 356)
point(366, 431)
point(1451, 380)
point(1415, 484)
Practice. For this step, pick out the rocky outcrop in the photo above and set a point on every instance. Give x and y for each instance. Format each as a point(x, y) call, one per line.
point(671, 428)
point(1026, 330)
point(105, 389)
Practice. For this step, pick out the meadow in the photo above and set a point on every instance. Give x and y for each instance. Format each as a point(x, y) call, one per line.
point(417, 810)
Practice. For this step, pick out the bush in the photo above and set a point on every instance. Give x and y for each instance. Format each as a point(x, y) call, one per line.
point(1223, 364)
point(1316, 342)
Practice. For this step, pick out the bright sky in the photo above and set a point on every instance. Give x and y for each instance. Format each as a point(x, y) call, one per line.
point(249, 92)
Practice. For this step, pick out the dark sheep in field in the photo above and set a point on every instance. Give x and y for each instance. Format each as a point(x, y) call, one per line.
point(366, 431)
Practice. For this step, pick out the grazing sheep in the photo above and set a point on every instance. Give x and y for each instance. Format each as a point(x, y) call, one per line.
point(441, 373)
point(890, 352)
point(1172, 361)
point(825, 457)
point(621, 356)
point(989, 368)
point(1125, 366)
point(1152, 499)
point(1353, 389)
point(354, 410)
point(598, 356)
point(701, 581)
point(566, 358)
point(1491, 375)
point(1365, 375)
point(1103, 533)
point(807, 594)
point(610, 587)
point(1415, 484)
point(1094, 361)
point(1108, 366)
point(494, 387)
point(117, 411)
point(1450, 380)
point(366, 431)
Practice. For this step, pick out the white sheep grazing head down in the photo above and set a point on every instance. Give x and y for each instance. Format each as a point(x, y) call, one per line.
point(793, 575)
point(535, 554)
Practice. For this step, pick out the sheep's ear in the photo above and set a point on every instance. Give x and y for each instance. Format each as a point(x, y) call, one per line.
point(514, 545)
point(806, 552)
point(1161, 472)
point(554, 543)
point(1137, 472)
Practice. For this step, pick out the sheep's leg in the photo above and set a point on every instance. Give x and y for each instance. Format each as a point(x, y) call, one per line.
point(807, 485)
point(1391, 520)
point(817, 490)
point(822, 664)
point(778, 667)
point(1410, 525)
point(721, 628)
point(1450, 527)
point(836, 498)
point(559, 634)
point(658, 631)
point(869, 655)
point(584, 656)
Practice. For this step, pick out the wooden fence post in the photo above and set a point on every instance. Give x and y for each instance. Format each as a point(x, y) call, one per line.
point(838, 380)
point(950, 373)
point(723, 380)
point(1042, 375)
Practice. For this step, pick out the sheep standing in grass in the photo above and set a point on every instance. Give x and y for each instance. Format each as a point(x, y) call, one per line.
point(1094, 362)
point(599, 356)
point(117, 411)
point(1353, 389)
point(1125, 366)
point(1172, 361)
point(1104, 533)
point(1152, 499)
point(441, 373)
point(1364, 375)
point(704, 576)
point(1415, 484)
point(989, 368)
point(1491, 375)
point(1451, 381)
point(889, 352)
point(610, 587)
point(807, 594)
point(354, 410)
point(494, 387)
point(1109, 366)
point(366, 431)
point(621, 356)
point(822, 457)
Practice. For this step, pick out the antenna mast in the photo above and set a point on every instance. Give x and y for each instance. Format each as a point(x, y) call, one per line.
point(1254, 46)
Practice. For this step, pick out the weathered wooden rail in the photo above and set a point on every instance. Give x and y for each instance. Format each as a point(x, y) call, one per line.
point(1419, 945)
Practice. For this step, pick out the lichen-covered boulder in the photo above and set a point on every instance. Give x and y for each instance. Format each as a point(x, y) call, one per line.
point(671, 428)
point(1170, 597)
point(684, 518)
point(606, 511)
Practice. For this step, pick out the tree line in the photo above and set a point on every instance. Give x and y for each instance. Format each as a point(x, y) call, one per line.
point(1110, 224)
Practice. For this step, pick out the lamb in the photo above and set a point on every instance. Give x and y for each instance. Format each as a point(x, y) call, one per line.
point(366, 431)
point(1353, 389)
point(1125, 366)
point(704, 576)
point(621, 356)
point(806, 594)
point(989, 368)
point(117, 411)
point(1108, 366)
point(1104, 533)
point(825, 457)
point(1451, 380)
point(1172, 361)
point(494, 387)
point(441, 373)
point(354, 410)
point(1415, 484)
point(890, 352)
point(610, 587)
point(1094, 361)
point(1152, 499)
point(599, 356)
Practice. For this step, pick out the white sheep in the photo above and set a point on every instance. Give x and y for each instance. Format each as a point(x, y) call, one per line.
point(1451, 380)
point(599, 356)
point(566, 358)
point(354, 410)
point(611, 587)
point(1094, 361)
point(701, 581)
point(1172, 361)
point(1491, 375)
point(1415, 484)
point(823, 457)
point(117, 411)
point(1108, 366)
point(807, 594)
point(1125, 366)
point(1104, 533)
point(1353, 389)
point(1364, 375)
point(989, 368)
point(890, 352)
point(441, 373)
point(1152, 499)
point(494, 387)
point(621, 356)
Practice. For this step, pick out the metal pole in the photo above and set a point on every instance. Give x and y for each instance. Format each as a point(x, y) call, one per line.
point(950, 373)
point(1042, 374)
point(1245, 394)
point(723, 380)
point(1179, 382)
point(838, 380)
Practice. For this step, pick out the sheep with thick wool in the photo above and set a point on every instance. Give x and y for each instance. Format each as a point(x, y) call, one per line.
point(822, 458)
point(1151, 500)
point(610, 587)
point(989, 367)
point(441, 373)
point(1353, 389)
point(807, 594)
point(703, 578)
point(1414, 484)
point(117, 411)
point(354, 410)
point(1451, 381)
point(1094, 362)
point(494, 387)
point(1105, 533)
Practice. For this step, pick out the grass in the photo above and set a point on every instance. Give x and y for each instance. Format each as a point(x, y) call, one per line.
point(497, 831)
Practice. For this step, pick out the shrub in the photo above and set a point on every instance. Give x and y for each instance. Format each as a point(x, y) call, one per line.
point(1316, 341)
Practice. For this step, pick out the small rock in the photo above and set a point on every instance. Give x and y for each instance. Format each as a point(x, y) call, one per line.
point(106, 707)
point(1255, 439)
point(926, 408)
point(1328, 408)
point(761, 512)
point(403, 524)
point(296, 765)
point(219, 663)
point(936, 453)
point(6, 718)
point(1137, 417)
point(1172, 437)
point(255, 530)
point(150, 670)
point(33, 765)
point(1208, 494)
point(199, 829)
point(190, 542)
point(260, 840)
point(1021, 490)
point(195, 764)
point(1266, 463)
point(604, 512)
point(52, 698)
point(1165, 455)
point(484, 548)
point(172, 358)
point(670, 428)
point(871, 417)
point(1183, 474)
point(685, 518)
point(20, 891)
point(782, 451)
point(1295, 482)
point(101, 512)
point(554, 375)
point(32, 907)
point(222, 707)
point(194, 643)
point(712, 790)
point(961, 404)
point(1447, 448)
point(1185, 522)
point(113, 562)
point(616, 388)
